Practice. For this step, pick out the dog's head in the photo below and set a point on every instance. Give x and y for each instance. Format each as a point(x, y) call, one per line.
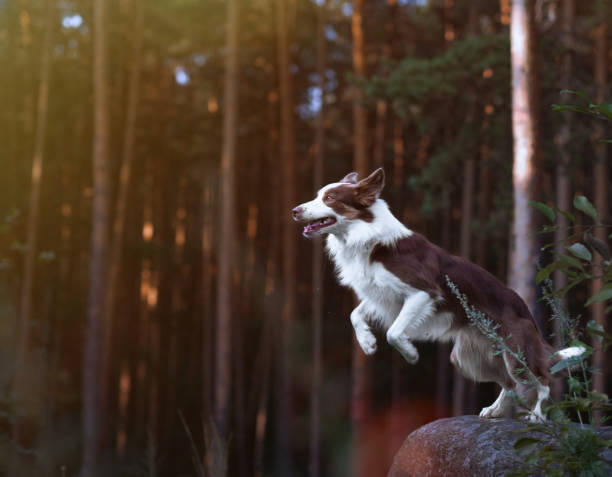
point(339, 204)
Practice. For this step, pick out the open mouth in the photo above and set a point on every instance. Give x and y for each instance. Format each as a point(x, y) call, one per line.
point(317, 225)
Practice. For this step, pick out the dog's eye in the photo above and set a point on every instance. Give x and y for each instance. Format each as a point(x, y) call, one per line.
point(328, 197)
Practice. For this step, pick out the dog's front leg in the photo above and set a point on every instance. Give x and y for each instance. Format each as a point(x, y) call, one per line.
point(364, 334)
point(415, 310)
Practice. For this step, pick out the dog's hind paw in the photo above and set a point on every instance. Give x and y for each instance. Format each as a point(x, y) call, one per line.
point(490, 412)
point(535, 417)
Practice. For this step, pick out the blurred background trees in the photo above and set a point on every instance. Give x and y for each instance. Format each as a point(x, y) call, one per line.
point(149, 267)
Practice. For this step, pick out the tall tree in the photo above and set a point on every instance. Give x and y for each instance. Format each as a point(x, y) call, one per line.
point(361, 368)
point(99, 248)
point(125, 172)
point(288, 158)
point(20, 387)
point(460, 384)
point(562, 181)
point(600, 173)
point(524, 95)
point(317, 258)
point(226, 227)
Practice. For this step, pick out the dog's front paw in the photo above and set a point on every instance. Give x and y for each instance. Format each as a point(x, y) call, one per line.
point(367, 341)
point(410, 353)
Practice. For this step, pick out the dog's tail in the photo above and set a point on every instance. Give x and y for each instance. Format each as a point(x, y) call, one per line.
point(566, 353)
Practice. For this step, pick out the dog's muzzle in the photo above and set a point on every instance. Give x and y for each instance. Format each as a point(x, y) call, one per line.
point(297, 213)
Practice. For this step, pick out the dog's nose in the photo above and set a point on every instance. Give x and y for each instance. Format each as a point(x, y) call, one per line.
point(297, 213)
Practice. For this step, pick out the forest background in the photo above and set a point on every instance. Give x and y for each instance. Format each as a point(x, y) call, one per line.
point(159, 311)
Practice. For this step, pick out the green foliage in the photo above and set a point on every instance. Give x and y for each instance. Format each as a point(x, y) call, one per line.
point(574, 451)
point(579, 263)
point(414, 82)
point(429, 92)
point(602, 110)
point(559, 447)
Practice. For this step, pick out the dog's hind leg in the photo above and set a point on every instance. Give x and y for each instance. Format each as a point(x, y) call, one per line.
point(525, 389)
point(416, 309)
point(536, 414)
point(499, 408)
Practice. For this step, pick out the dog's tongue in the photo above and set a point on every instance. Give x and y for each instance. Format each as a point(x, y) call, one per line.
point(318, 225)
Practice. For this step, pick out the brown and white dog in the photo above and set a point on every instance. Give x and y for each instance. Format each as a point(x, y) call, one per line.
point(400, 280)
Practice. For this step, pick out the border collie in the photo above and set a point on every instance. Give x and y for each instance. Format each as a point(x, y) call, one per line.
point(400, 280)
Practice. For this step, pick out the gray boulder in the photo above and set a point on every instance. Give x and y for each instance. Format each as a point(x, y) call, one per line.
point(467, 446)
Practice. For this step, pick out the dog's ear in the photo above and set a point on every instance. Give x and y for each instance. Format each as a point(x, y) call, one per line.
point(350, 178)
point(368, 189)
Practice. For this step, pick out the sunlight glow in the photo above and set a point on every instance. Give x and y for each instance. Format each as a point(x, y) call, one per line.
point(147, 231)
point(179, 236)
point(181, 76)
point(66, 209)
point(330, 33)
point(252, 221)
point(315, 98)
point(213, 106)
point(72, 21)
point(145, 279)
point(152, 297)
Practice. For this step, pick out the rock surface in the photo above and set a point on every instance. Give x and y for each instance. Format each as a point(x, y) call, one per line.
point(466, 446)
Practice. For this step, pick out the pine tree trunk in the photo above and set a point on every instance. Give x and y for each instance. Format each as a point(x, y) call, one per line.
point(208, 195)
point(22, 428)
point(116, 252)
point(601, 193)
point(288, 159)
point(360, 368)
point(562, 180)
point(317, 260)
point(99, 250)
point(226, 226)
point(524, 95)
point(271, 294)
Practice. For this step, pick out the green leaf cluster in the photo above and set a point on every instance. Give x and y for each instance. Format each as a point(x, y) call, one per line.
point(579, 262)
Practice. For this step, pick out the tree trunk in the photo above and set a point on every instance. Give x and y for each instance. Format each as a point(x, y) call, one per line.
point(522, 247)
point(601, 194)
point(226, 226)
point(562, 181)
point(148, 299)
point(317, 265)
point(208, 278)
point(271, 294)
point(24, 425)
point(288, 159)
point(317, 260)
point(484, 195)
point(360, 368)
point(114, 265)
point(99, 247)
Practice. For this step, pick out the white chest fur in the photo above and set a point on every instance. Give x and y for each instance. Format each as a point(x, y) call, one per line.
point(381, 292)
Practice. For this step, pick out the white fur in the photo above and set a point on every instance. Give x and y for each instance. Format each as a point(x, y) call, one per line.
point(499, 407)
point(570, 352)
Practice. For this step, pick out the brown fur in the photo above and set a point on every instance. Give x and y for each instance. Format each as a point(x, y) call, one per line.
point(425, 266)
